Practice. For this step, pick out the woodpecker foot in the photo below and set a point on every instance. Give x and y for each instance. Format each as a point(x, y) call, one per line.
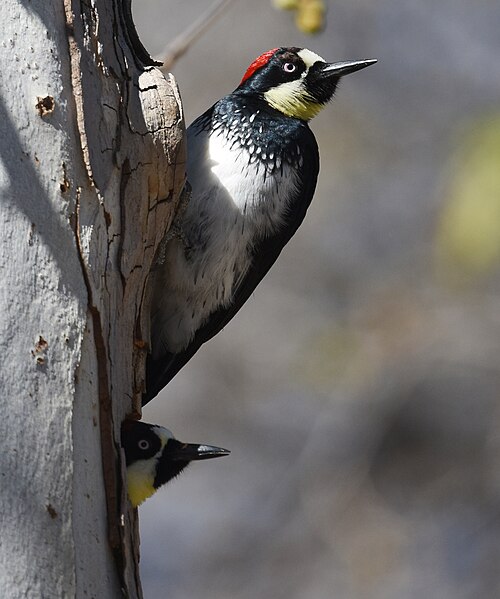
point(175, 231)
point(186, 193)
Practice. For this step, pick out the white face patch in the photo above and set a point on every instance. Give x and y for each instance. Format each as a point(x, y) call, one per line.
point(292, 98)
point(163, 434)
point(141, 473)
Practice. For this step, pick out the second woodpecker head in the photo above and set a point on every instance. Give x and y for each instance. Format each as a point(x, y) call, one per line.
point(296, 81)
point(154, 456)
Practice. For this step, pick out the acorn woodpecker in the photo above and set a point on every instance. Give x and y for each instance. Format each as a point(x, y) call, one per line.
point(252, 167)
point(153, 457)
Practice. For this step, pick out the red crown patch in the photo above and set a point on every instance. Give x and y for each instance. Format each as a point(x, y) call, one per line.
point(257, 63)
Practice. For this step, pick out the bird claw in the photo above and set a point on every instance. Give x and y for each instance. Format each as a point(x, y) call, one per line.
point(175, 231)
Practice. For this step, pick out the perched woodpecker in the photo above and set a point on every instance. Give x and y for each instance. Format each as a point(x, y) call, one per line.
point(252, 167)
point(153, 457)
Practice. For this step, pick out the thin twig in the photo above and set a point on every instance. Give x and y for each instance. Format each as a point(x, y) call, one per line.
point(181, 44)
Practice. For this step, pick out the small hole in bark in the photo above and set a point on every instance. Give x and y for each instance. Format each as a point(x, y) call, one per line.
point(45, 105)
point(64, 185)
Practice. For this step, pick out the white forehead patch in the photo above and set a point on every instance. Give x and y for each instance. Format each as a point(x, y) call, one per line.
point(309, 57)
point(164, 434)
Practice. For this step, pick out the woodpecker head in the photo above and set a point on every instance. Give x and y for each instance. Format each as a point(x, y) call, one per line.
point(153, 457)
point(296, 81)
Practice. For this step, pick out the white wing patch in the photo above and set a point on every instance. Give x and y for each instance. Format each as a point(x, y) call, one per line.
point(234, 204)
point(233, 171)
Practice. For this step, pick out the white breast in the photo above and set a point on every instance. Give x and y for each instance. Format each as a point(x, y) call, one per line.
point(235, 202)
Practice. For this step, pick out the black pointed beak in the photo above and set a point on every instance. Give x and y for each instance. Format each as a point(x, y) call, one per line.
point(339, 69)
point(323, 77)
point(177, 455)
point(187, 452)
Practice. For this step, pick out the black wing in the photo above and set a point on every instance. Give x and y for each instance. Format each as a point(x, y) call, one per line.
point(160, 372)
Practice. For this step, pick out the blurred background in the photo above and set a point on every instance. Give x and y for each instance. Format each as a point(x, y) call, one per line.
point(358, 389)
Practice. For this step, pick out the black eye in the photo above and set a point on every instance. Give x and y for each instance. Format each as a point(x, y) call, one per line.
point(289, 67)
point(143, 444)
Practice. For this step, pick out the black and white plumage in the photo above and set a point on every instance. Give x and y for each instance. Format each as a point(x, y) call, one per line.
point(252, 166)
point(154, 457)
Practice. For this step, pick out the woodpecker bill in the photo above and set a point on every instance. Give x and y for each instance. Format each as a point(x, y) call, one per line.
point(252, 166)
point(153, 457)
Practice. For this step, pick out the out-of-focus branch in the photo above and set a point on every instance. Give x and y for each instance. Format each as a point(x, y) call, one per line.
point(181, 44)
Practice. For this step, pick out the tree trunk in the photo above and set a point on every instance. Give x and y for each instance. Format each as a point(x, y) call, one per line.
point(92, 161)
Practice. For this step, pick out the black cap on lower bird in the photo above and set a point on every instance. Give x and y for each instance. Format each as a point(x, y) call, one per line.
point(154, 456)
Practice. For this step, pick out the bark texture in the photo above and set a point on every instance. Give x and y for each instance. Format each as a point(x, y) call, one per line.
point(92, 162)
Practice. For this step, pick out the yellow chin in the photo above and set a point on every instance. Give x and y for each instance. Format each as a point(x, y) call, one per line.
point(291, 99)
point(139, 484)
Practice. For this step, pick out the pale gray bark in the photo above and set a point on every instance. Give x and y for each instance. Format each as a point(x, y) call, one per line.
point(92, 161)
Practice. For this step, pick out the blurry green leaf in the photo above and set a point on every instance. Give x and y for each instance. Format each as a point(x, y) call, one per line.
point(310, 17)
point(468, 240)
point(286, 4)
point(309, 14)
